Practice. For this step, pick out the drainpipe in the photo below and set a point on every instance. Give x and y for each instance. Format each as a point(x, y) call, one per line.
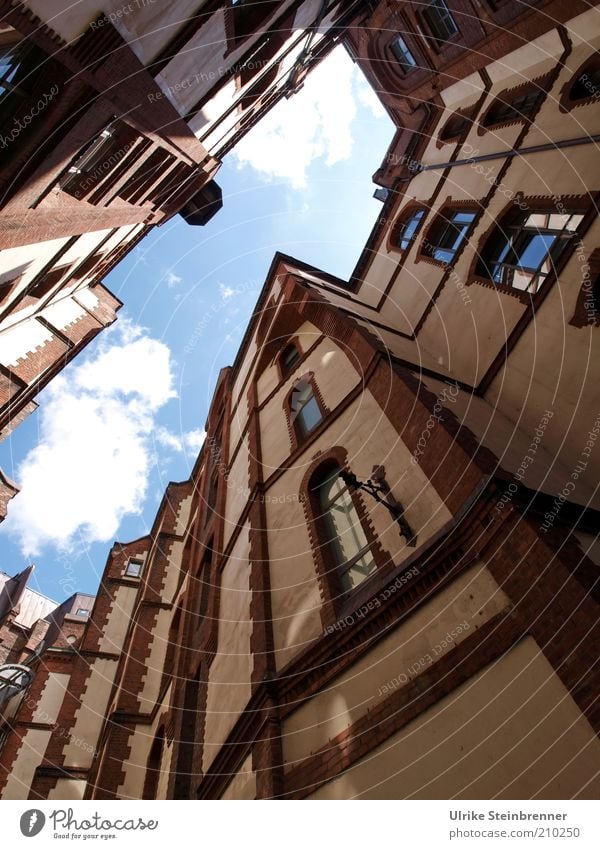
point(509, 154)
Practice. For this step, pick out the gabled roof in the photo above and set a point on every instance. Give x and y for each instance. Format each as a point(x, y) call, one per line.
point(14, 593)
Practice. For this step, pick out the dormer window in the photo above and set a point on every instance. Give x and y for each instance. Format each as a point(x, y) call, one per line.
point(133, 568)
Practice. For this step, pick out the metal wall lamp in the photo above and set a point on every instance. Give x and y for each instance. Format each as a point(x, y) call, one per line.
point(379, 489)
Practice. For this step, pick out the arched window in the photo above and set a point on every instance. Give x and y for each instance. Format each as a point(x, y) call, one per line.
point(586, 83)
point(153, 766)
point(510, 107)
point(457, 125)
point(288, 358)
point(211, 494)
point(341, 529)
point(407, 228)
point(205, 581)
point(173, 643)
point(523, 250)
point(447, 234)
point(305, 411)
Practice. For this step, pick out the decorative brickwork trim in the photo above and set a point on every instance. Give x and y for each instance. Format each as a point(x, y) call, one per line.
point(539, 84)
point(469, 113)
point(587, 309)
point(566, 103)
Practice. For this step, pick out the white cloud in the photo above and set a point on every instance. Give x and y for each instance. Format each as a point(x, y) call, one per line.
point(226, 292)
point(192, 440)
point(173, 279)
point(92, 462)
point(367, 97)
point(314, 124)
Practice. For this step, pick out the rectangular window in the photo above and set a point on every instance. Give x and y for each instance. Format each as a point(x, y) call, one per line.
point(403, 55)
point(98, 160)
point(134, 568)
point(440, 21)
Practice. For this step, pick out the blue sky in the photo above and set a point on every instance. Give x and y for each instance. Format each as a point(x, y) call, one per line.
point(127, 416)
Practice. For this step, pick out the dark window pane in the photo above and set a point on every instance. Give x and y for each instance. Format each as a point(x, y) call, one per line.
point(515, 109)
point(455, 126)
point(440, 21)
point(586, 85)
point(289, 358)
point(449, 234)
point(402, 54)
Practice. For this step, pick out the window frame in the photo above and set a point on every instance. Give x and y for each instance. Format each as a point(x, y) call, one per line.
point(509, 220)
point(212, 493)
point(134, 561)
point(404, 219)
point(330, 536)
point(297, 433)
point(303, 425)
point(285, 370)
point(440, 228)
point(336, 600)
point(438, 39)
point(567, 101)
point(468, 115)
point(505, 99)
point(405, 67)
